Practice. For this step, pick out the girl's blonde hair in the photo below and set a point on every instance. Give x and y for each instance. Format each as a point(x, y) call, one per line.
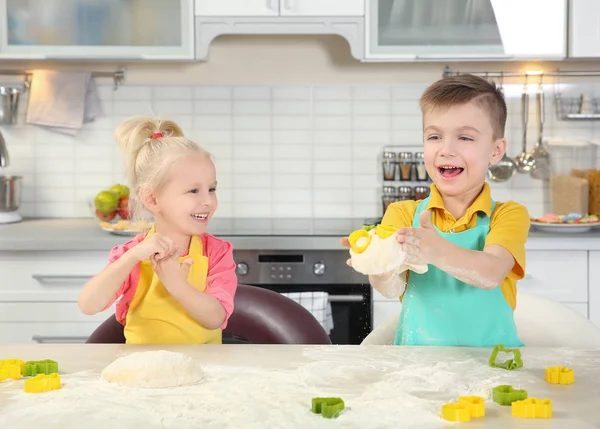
point(149, 147)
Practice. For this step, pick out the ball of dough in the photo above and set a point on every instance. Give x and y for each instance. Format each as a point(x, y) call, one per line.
point(381, 256)
point(153, 369)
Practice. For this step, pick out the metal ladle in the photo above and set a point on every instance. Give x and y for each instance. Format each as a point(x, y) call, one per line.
point(539, 155)
point(505, 168)
point(524, 161)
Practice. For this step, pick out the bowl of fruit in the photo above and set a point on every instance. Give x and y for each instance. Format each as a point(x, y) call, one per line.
point(112, 208)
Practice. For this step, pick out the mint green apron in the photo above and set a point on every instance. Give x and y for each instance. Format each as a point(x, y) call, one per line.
point(440, 310)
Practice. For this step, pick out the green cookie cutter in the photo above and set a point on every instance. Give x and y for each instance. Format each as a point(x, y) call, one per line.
point(369, 227)
point(329, 408)
point(509, 364)
point(35, 367)
point(506, 395)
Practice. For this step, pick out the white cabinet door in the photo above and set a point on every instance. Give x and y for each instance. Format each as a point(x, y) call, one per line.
point(584, 29)
point(237, 8)
point(97, 29)
point(384, 310)
point(322, 7)
point(465, 29)
point(594, 287)
point(557, 275)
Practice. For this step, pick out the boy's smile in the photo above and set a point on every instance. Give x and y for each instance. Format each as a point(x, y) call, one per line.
point(459, 146)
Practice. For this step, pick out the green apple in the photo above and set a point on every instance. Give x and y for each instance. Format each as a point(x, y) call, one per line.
point(106, 202)
point(120, 190)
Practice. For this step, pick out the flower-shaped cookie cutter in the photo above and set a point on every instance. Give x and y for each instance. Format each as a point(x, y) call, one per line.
point(509, 364)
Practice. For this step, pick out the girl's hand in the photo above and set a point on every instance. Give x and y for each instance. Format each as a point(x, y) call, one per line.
point(157, 247)
point(170, 271)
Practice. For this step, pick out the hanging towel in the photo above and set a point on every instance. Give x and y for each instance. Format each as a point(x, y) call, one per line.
point(63, 101)
point(317, 303)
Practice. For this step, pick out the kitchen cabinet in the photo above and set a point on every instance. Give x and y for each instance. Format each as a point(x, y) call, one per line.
point(38, 296)
point(264, 8)
point(97, 29)
point(411, 30)
point(594, 287)
point(584, 29)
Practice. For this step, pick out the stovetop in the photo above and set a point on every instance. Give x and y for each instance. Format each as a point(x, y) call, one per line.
point(338, 227)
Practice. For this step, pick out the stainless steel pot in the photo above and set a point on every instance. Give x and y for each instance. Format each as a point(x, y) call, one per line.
point(9, 105)
point(10, 193)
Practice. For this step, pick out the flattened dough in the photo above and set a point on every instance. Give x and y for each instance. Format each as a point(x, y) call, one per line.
point(153, 370)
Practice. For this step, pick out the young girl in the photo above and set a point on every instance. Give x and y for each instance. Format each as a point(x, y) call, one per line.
point(176, 282)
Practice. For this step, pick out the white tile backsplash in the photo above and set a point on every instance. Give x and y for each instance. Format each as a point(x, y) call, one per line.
point(280, 151)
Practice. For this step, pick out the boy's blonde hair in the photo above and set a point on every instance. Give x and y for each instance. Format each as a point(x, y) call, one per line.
point(464, 88)
point(149, 147)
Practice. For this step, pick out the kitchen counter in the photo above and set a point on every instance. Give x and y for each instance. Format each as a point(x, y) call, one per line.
point(85, 235)
point(254, 386)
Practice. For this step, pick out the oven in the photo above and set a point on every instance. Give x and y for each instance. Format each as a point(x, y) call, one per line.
point(314, 278)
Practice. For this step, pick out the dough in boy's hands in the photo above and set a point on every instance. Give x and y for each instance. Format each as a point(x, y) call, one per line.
point(374, 250)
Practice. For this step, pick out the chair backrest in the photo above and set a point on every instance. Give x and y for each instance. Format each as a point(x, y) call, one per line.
point(260, 316)
point(540, 323)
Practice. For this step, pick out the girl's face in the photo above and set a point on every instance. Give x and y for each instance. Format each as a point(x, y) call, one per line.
point(188, 199)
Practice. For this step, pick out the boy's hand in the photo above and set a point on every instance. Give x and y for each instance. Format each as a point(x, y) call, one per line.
point(422, 245)
point(346, 243)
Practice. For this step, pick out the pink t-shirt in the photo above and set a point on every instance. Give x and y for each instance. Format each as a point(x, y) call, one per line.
point(221, 281)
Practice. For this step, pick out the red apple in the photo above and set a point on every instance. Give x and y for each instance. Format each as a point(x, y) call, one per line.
point(123, 208)
point(106, 217)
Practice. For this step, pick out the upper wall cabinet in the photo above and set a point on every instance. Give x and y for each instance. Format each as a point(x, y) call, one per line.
point(280, 7)
point(465, 29)
point(97, 29)
point(584, 29)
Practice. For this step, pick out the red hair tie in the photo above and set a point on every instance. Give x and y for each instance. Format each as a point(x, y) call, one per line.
point(155, 136)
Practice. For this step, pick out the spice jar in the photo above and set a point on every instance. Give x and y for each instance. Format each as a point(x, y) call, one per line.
point(420, 171)
point(389, 166)
point(405, 164)
point(421, 192)
point(389, 196)
point(405, 193)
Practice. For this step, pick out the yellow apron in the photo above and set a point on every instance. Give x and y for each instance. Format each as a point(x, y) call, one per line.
point(156, 317)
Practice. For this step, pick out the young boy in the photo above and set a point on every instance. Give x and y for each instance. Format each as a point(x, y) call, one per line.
point(475, 247)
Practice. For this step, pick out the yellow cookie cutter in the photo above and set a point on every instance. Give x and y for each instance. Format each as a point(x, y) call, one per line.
point(532, 408)
point(43, 383)
point(559, 375)
point(11, 368)
point(356, 237)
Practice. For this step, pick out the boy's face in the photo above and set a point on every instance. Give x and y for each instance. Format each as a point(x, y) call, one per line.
point(459, 146)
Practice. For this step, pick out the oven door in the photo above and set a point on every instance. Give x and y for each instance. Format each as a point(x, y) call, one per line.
point(351, 308)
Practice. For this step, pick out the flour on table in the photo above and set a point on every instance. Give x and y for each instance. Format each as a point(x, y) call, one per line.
point(153, 369)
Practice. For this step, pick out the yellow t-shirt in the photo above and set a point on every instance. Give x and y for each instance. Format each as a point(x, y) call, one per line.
point(509, 228)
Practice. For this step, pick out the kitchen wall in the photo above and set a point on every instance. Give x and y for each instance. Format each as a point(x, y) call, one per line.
point(295, 124)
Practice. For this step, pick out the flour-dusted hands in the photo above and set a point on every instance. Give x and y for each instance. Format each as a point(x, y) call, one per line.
point(422, 245)
point(170, 271)
point(156, 247)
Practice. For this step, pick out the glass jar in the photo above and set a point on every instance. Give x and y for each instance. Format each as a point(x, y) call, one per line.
point(388, 166)
point(420, 171)
point(389, 197)
point(405, 166)
point(405, 193)
point(421, 192)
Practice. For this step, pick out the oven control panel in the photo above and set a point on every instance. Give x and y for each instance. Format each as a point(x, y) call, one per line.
point(283, 267)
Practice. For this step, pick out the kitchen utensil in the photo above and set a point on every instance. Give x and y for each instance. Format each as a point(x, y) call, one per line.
point(10, 199)
point(9, 105)
point(541, 159)
point(523, 160)
point(10, 189)
point(504, 169)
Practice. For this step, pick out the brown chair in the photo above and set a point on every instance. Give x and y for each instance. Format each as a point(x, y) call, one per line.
point(260, 316)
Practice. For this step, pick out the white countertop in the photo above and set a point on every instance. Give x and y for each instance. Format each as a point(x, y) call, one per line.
point(84, 234)
point(248, 386)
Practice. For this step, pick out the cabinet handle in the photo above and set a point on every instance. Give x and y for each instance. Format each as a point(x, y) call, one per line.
point(58, 339)
point(52, 278)
point(346, 298)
